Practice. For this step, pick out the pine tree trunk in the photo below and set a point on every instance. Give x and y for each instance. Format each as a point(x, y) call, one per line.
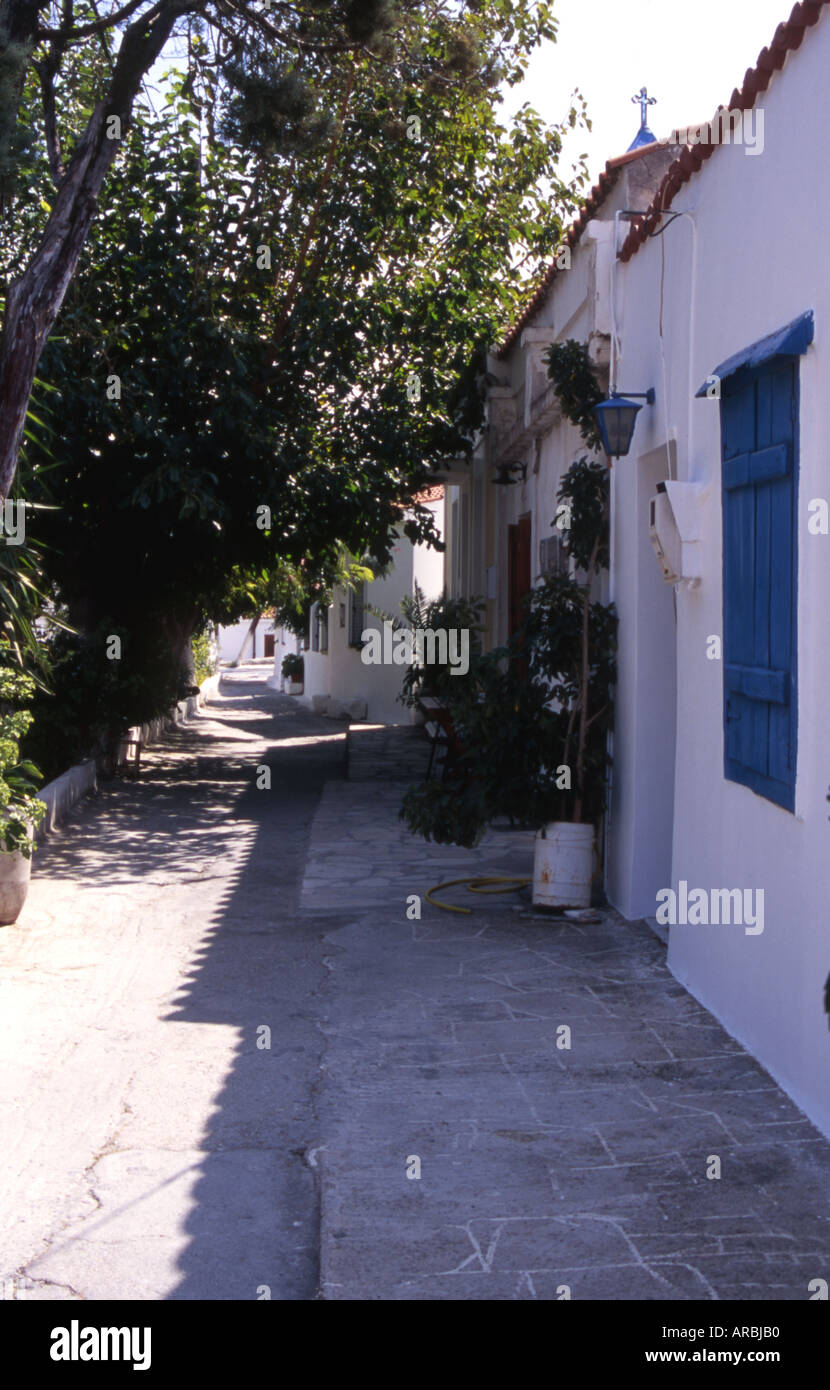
point(34, 299)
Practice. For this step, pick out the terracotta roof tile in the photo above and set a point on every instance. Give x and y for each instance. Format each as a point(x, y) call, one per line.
point(430, 494)
point(602, 188)
point(788, 37)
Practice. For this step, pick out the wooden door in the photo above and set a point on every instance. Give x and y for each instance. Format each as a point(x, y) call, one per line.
point(518, 570)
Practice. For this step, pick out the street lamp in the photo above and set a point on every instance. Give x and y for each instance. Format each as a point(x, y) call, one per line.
point(617, 418)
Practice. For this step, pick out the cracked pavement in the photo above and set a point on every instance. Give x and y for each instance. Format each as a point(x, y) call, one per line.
point(155, 1148)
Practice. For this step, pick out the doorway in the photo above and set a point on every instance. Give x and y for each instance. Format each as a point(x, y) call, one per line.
point(518, 570)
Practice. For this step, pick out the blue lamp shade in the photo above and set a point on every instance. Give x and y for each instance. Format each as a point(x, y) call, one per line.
point(616, 419)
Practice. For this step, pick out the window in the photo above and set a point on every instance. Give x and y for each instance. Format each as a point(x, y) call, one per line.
point(357, 603)
point(553, 558)
point(759, 435)
point(319, 623)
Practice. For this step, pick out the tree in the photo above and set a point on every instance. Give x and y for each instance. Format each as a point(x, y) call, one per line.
point(236, 355)
point(311, 45)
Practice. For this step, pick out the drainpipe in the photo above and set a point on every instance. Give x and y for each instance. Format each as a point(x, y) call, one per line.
point(612, 548)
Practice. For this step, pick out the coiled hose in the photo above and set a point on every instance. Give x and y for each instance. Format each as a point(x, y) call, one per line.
point(476, 885)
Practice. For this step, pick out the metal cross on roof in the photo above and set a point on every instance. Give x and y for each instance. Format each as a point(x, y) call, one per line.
point(644, 101)
point(644, 135)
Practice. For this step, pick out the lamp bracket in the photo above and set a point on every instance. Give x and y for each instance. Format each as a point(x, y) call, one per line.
point(648, 396)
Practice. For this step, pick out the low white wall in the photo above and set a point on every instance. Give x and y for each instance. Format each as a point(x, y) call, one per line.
point(62, 793)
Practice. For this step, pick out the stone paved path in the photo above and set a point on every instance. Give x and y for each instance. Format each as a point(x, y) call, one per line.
point(149, 1148)
point(152, 1150)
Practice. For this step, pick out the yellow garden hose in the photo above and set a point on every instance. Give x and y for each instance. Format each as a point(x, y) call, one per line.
point(476, 885)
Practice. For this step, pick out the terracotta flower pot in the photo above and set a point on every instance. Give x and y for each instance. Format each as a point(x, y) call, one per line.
point(15, 872)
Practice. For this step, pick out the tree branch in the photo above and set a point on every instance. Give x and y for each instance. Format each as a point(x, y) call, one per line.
point(69, 35)
point(34, 299)
point(46, 75)
point(293, 288)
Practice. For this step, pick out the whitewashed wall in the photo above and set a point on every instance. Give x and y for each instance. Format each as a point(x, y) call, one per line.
point(340, 672)
point(762, 260)
point(232, 637)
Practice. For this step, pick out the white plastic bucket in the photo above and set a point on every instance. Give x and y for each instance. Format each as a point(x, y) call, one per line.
point(563, 865)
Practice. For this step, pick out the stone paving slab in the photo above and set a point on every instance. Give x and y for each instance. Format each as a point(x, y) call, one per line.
point(387, 753)
point(548, 1172)
point(361, 855)
point(153, 1149)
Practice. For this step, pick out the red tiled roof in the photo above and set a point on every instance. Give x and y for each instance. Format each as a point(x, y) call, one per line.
point(430, 494)
point(788, 37)
point(600, 191)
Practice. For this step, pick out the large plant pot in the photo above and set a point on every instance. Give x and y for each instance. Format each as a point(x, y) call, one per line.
point(15, 872)
point(293, 687)
point(563, 865)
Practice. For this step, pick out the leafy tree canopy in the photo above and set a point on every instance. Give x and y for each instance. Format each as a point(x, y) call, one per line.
point(258, 362)
point(307, 75)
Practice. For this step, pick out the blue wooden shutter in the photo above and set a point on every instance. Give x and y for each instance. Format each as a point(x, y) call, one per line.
point(758, 420)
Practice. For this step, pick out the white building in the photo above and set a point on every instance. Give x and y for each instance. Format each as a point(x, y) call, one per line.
point(331, 650)
point(237, 642)
point(717, 300)
point(731, 741)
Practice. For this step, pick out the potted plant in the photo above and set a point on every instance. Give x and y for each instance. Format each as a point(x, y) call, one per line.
point(20, 809)
point(293, 671)
point(571, 639)
point(532, 718)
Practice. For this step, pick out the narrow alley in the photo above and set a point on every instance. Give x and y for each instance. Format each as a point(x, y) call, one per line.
point(235, 1068)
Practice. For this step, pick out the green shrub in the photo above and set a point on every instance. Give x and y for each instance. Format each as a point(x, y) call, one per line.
point(204, 658)
point(532, 719)
point(293, 667)
point(95, 699)
point(437, 615)
point(20, 810)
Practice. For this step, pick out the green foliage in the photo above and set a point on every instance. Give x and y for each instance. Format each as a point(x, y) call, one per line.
point(287, 591)
point(572, 372)
point(450, 813)
point(579, 676)
point(286, 385)
point(508, 737)
point(272, 108)
point(437, 615)
point(293, 667)
point(204, 657)
point(532, 719)
point(15, 139)
point(23, 579)
point(93, 700)
point(20, 810)
point(587, 540)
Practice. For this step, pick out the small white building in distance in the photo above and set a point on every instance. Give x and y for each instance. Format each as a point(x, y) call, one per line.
point(237, 642)
point(334, 670)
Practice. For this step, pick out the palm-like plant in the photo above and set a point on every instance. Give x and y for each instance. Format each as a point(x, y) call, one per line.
point(20, 809)
point(23, 582)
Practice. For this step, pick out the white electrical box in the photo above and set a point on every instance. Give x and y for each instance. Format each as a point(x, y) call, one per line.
point(674, 528)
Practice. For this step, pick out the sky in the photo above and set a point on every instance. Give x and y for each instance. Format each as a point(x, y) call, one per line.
point(691, 56)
